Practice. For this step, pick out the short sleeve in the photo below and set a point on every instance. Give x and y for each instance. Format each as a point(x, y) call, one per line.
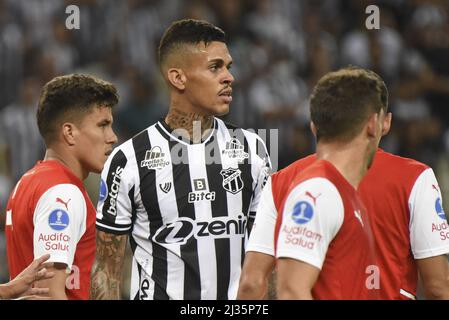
point(262, 233)
point(59, 223)
point(429, 230)
point(313, 213)
point(114, 208)
point(263, 169)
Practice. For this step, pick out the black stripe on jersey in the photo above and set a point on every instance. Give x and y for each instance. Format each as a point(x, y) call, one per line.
point(113, 180)
point(245, 167)
point(133, 206)
point(148, 193)
point(189, 251)
point(219, 209)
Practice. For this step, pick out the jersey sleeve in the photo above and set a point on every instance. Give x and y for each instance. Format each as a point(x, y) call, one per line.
point(429, 230)
point(262, 234)
point(116, 198)
point(262, 168)
point(59, 223)
point(313, 213)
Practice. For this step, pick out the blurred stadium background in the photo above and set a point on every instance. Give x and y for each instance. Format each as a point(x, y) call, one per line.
point(280, 48)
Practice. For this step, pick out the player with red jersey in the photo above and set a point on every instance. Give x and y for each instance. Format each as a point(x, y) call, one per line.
point(403, 202)
point(49, 210)
point(324, 241)
point(409, 226)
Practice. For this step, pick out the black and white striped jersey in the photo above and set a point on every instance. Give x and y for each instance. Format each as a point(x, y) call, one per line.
point(185, 207)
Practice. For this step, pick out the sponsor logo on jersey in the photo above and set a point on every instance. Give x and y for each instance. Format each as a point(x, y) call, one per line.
point(200, 191)
point(165, 187)
point(235, 150)
point(232, 180)
point(180, 231)
point(311, 196)
point(58, 219)
point(442, 229)
point(55, 241)
point(144, 287)
point(113, 193)
point(439, 209)
point(103, 192)
point(302, 212)
point(358, 215)
point(301, 236)
point(65, 203)
point(154, 159)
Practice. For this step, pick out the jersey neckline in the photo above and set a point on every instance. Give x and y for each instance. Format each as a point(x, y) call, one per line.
point(167, 131)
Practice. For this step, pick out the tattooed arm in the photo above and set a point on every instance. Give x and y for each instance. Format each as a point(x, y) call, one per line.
point(107, 271)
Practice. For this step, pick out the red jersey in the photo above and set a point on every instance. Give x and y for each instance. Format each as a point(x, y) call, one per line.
point(404, 205)
point(49, 211)
point(325, 224)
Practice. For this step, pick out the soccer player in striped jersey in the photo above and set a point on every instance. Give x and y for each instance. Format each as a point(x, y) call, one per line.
point(49, 210)
point(184, 190)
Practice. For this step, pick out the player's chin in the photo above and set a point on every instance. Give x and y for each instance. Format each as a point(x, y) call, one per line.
point(98, 167)
point(221, 109)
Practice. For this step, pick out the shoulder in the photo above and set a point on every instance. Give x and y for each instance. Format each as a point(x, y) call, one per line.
point(249, 134)
point(314, 188)
point(388, 161)
point(394, 171)
point(294, 168)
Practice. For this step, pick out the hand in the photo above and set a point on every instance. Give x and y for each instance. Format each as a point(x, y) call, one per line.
point(22, 285)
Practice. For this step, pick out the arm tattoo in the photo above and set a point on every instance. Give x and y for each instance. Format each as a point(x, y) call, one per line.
point(107, 271)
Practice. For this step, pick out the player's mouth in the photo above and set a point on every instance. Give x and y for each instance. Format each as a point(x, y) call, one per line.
point(226, 95)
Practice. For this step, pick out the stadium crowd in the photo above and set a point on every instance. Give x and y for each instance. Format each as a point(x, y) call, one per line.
point(280, 49)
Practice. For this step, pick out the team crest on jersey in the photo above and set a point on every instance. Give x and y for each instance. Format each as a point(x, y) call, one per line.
point(232, 180)
point(302, 212)
point(235, 150)
point(154, 159)
point(58, 219)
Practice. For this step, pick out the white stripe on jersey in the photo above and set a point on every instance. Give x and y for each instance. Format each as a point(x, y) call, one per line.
point(169, 212)
point(234, 205)
point(203, 212)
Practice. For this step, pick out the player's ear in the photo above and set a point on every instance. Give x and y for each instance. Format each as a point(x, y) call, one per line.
point(313, 128)
point(177, 78)
point(69, 132)
point(387, 123)
point(372, 125)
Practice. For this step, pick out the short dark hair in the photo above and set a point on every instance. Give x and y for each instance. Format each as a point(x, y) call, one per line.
point(343, 100)
point(69, 98)
point(188, 31)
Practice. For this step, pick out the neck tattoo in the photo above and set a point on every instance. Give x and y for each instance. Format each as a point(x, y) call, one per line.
point(192, 126)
